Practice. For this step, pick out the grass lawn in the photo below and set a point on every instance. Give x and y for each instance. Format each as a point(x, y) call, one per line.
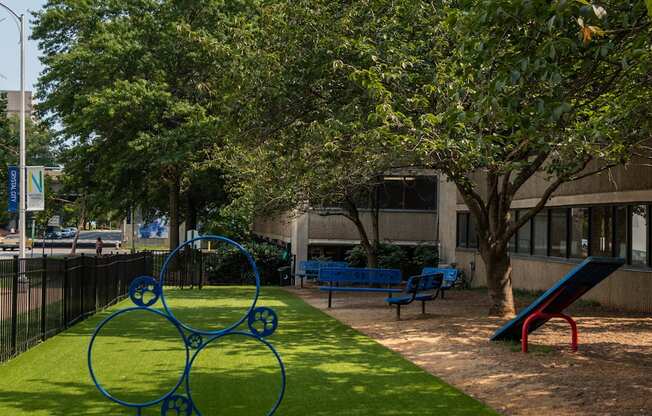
point(331, 369)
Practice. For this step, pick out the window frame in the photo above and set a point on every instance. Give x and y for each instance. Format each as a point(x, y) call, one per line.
point(612, 209)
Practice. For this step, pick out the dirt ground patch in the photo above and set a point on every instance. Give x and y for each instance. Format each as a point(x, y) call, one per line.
point(610, 375)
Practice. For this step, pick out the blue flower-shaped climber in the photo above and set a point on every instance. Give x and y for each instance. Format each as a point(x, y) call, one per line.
point(145, 291)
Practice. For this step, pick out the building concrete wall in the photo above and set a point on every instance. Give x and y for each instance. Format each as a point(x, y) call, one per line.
point(623, 184)
point(413, 226)
point(626, 289)
point(276, 227)
point(13, 103)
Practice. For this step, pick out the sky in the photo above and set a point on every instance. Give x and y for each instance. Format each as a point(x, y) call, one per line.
point(10, 46)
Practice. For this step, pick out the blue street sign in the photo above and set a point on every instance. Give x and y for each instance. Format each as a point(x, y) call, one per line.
point(14, 179)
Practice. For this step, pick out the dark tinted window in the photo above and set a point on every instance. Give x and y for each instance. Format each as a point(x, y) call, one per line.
point(462, 223)
point(473, 231)
point(415, 193)
point(558, 232)
point(391, 194)
point(524, 235)
point(640, 215)
point(579, 233)
point(601, 231)
point(541, 234)
point(421, 193)
point(621, 231)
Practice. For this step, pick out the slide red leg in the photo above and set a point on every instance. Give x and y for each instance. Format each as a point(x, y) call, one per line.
point(526, 328)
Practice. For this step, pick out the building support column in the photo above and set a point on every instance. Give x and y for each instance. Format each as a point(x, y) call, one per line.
point(300, 235)
point(447, 219)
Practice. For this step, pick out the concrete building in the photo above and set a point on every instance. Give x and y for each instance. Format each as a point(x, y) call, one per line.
point(412, 204)
point(13, 103)
point(605, 215)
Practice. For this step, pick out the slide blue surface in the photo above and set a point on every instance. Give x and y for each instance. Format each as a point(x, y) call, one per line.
point(577, 282)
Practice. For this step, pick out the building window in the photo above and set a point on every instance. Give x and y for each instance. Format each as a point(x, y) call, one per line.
point(558, 235)
point(579, 233)
point(640, 215)
point(390, 194)
point(462, 226)
point(602, 231)
point(410, 193)
point(621, 231)
point(421, 193)
point(473, 231)
point(524, 235)
point(540, 237)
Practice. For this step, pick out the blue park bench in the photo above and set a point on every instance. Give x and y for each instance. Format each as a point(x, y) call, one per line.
point(309, 269)
point(423, 288)
point(451, 277)
point(561, 295)
point(353, 279)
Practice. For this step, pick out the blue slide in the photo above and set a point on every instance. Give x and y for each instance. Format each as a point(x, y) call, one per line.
point(552, 303)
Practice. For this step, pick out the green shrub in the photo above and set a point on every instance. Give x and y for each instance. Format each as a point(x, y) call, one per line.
point(391, 256)
point(226, 265)
point(356, 257)
point(425, 256)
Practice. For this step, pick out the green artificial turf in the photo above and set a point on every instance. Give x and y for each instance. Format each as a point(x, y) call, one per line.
point(331, 369)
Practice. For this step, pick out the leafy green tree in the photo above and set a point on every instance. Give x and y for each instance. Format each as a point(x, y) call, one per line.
point(508, 91)
point(309, 136)
point(138, 88)
point(490, 92)
point(41, 148)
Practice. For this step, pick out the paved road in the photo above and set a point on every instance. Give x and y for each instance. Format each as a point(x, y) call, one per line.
point(62, 247)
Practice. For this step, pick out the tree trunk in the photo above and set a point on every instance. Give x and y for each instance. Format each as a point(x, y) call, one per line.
point(80, 224)
point(174, 191)
point(191, 213)
point(499, 282)
point(372, 256)
point(370, 248)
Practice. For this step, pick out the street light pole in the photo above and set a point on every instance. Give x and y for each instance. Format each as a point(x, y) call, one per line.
point(22, 208)
point(22, 217)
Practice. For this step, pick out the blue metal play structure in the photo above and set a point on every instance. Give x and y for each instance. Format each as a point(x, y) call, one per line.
point(552, 303)
point(261, 322)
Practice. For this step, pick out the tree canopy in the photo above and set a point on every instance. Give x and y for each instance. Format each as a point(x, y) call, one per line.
point(137, 87)
point(490, 92)
point(310, 101)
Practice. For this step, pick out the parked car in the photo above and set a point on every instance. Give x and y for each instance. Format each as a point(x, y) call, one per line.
point(5, 245)
point(68, 232)
point(53, 235)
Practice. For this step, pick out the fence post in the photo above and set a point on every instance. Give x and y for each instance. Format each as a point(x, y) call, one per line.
point(66, 288)
point(96, 295)
point(201, 269)
point(44, 293)
point(81, 287)
point(14, 307)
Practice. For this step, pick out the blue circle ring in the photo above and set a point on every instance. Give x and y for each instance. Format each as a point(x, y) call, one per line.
point(209, 238)
point(109, 395)
point(249, 335)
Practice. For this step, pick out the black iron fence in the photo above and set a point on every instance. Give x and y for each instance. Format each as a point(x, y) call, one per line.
point(187, 269)
point(40, 297)
point(192, 268)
